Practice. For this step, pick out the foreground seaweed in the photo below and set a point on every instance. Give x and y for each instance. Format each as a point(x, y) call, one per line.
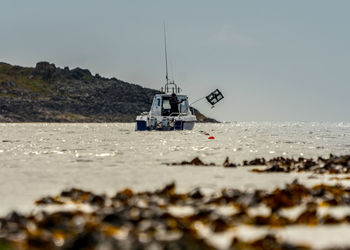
point(165, 219)
point(195, 162)
point(332, 165)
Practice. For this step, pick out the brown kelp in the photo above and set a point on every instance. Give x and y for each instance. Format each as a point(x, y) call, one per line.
point(166, 219)
point(332, 165)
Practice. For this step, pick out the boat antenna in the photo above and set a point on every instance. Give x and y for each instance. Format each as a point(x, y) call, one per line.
point(172, 71)
point(170, 85)
point(166, 57)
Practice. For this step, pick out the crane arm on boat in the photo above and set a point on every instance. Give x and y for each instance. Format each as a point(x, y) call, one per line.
point(213, 98)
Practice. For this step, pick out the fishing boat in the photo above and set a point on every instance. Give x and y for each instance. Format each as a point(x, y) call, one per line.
point(170, 109)
point(162, 115)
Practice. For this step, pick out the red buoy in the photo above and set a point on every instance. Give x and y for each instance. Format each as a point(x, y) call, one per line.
point(211, 137)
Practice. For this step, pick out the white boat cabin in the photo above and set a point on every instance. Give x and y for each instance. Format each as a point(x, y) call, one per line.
point(161, 106)
point(162, 117)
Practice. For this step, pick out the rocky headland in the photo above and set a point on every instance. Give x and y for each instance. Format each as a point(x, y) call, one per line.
point(48, 93)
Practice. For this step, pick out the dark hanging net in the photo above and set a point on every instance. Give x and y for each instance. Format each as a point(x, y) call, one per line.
point(214, 97)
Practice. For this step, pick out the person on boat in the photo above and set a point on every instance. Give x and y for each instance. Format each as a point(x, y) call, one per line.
point(174, 104)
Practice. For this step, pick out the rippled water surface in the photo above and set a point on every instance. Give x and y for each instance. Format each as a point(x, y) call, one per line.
point(40, 159)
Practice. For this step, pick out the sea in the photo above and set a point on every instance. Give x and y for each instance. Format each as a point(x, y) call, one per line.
point(39, 159)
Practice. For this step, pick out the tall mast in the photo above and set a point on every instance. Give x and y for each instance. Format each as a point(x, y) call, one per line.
point(170, 86)
point(166, 57)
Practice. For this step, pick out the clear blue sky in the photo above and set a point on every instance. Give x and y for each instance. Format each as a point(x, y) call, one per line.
point(273, 60)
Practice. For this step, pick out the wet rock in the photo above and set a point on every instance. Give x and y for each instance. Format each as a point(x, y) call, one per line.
point(97, 200)
point(85, 240)
point(49, 201)
point(228, 164)
point(255, 162)
point(268, 242)
point(332, 165)
point(124, 195)
point(220, 225)
point(196, 194)
point(274, 168)
point(309, 216)
point(168, 189)
point(195, 162)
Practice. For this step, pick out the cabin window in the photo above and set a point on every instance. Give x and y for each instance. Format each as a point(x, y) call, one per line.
point(158, 102)
point(166, 107)
point(166, 104)
point(183, 107)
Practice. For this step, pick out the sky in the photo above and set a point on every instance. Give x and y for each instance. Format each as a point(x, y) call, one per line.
point(273, 60)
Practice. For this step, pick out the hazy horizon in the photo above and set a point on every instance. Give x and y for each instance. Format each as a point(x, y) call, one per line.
point(273, 61)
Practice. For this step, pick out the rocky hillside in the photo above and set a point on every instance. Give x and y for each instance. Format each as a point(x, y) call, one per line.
point(47, 93)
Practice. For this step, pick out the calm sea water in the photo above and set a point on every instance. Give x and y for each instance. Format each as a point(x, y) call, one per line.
point(39, 159)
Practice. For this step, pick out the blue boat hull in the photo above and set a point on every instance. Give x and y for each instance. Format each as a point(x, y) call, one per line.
point(179, 125)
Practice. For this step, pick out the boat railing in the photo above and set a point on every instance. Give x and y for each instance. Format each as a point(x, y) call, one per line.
point(177, 114)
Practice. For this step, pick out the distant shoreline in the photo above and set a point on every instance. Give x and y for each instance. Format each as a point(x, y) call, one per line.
point(48, 93)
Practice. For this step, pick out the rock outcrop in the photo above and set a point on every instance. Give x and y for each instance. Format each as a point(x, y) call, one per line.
point(48, 93)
